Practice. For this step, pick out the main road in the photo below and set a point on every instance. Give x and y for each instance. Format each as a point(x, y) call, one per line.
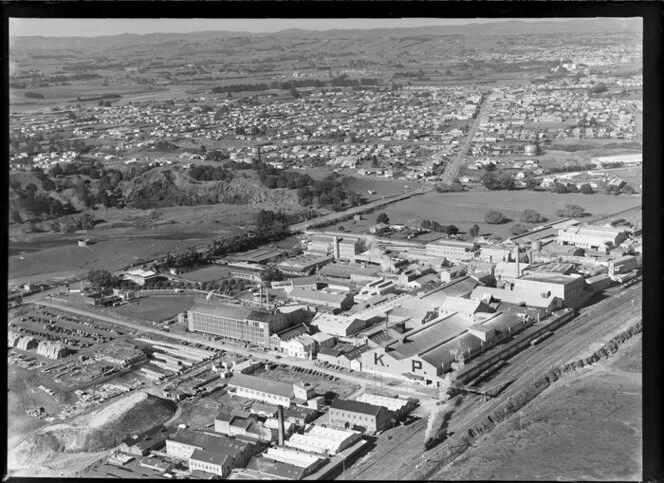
point(403, 456)
point(364, 380)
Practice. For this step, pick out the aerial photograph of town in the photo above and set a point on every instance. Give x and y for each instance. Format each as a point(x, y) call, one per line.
point(350, 249)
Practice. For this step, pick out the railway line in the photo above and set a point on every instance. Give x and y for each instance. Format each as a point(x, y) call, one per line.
point(403, 457)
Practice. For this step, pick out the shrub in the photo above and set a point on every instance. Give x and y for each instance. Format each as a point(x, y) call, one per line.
point(518, 229)
point(531, 216)
point(586, 189)
point(494, 217)
point(574, 211)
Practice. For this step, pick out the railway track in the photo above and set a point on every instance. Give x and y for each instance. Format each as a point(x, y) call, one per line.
point(406, 458)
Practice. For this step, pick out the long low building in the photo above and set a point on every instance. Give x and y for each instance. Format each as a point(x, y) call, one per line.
point(304, 264)
point(326, 441)
point(332, 301)
point(589, 236)
point(571, 289)
point(271, 392)
point(545, 303)
point(452, 249)
point(236, 322)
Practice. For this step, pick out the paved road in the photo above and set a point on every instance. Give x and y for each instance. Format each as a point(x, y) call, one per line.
point(403, 457)
point(452, 169)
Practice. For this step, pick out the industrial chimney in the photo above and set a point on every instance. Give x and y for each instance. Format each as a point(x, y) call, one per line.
point(336, 247)
point(280, 415)
point(516, 260)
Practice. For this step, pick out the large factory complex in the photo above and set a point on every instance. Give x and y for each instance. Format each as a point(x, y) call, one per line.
point(410, 309)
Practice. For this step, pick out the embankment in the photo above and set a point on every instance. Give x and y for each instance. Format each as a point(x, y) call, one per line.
point(459, 443)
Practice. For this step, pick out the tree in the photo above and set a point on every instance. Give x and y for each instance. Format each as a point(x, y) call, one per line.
point(559, 188)
point(31, 188)
point(474, 230)
point(383, 218)
point(101, 279)
point(493, 181)
point(426, 224)
point(586, 189)
point(573, 211)
point(531, 216)
point(494, 217)
point(452, 230)
point(271, 274)
point(16, 217)
point(532, 183)
point(628, 190)
point(518, 229)
point(437, 227)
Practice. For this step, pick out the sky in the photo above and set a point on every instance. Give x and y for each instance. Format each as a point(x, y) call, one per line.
point(89, 27)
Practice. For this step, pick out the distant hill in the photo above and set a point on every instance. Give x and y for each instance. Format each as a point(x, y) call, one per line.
point(516, 27)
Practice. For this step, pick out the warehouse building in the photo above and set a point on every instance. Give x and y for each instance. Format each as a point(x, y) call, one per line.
point(345, 413)
point(260, 255)
point(590, 236)
point(398, 407)
point(142, 444)
point(328, 300)
point(622, 265)
point(571, 289)
point(338, 325)
point(304, 264)
point(324, 441)
point(376, 287)
point(140, 277)
point(342, 248)
point(52, 350)
point(236, 322)
point(452, 249)
point(352, 271)
point(243, 424)
point(271, 392)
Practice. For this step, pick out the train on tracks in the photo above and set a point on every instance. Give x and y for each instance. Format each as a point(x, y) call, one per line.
point(435, 440)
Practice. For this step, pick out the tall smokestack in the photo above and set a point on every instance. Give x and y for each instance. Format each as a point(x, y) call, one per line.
point(260, 294)
point(258, 150)
point(516, 260)
point(336, 247)
point(280, 415)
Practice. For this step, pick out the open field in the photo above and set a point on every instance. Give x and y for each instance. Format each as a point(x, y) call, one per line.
point(156, 308)
point(207, 274)
point(584, 427)
point(57, 254)
point(466, 208)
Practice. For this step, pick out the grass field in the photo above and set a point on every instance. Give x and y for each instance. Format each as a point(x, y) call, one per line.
point(156, 308)
point(207, 274)
point(466, 208)
point(585, 427)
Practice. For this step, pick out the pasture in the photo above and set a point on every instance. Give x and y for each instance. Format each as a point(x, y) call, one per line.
point(156, 308)
point(464, 209)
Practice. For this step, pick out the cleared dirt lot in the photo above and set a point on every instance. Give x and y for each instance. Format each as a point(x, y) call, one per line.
point(584, 427)
point(322, 384)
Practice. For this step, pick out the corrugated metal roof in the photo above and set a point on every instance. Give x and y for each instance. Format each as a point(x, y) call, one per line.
point(236, 312)
point(263, 385)
point(355, 406)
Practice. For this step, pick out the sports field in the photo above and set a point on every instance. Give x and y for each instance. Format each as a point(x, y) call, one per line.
point(207, 274)
point(156, 308)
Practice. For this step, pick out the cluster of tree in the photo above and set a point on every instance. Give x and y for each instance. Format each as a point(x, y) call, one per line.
point(41, 204)
point(34, 95)
point(569, 169)
point(272, 178)
point(102, 279)
point(493, 181)
point(328, 192)
point(247, 241)
point(531, 216)
point(474, 230)
point(267, 221)
point(573, 211)
point(184, 258)
point(217, 155)
point(165, 146)
point(383, 218)
point(272, 274)
point(343, 81)
point(84, 222)
point(616, 190)
point(412, 75)
point(518, 229)
point(449, 188)
point(210, 173)
point(494, 217)
point(435, 226)
point(240, 88)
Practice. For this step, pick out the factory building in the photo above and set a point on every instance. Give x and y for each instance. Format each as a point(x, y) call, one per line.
point(142, 444)
point(376, 287)
point(331, 301)
point(345, 413)
point(242, 424)
point(571, 289)
point(236, 322)
point(271, 392)
point(210, 453)
point(140, 277)
point(423, 354)
point(622, 265)
point(494, 254)
point(338, 325)
point(397, 406)
point(304, 264)
point(589, 237)
point(544, 305)
point(303, 347)
point(466, 307)
point(324, 441)
point(26, 343)
point(342, 248)
point(452, 249)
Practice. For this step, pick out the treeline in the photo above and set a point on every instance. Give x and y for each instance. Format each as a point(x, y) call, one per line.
point(34, 95)
point(570, 169)
point(210, 173)
point(340, 81)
